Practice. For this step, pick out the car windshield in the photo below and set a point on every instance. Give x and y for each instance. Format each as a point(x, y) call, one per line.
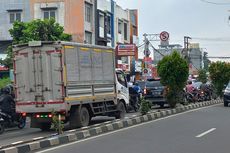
point(228, 86)
point(153, 84)
point(197, 84)
point(141, 84)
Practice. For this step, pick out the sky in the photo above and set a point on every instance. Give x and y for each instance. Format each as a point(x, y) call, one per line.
point(206, 23)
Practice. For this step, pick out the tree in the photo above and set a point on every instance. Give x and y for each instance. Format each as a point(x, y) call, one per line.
point(206, 61)
point(220, 75)
point(202, 76)
point(173, 71)
point(36, 30)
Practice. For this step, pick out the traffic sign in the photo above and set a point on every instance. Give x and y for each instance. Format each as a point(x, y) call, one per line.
point(164, 36)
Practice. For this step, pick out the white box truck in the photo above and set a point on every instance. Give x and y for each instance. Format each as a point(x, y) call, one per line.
point(75, 80)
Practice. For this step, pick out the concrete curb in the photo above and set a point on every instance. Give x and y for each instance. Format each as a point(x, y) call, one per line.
point(94, 131)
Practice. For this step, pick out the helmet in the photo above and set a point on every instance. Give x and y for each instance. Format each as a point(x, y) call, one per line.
point(189, 82)
point(6, 90)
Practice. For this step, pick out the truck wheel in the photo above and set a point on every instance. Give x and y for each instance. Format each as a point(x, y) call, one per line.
point(2, 128)
point(161, 105)
point(79, 117)
point(121, 111)
point(225, 104)
point(45, 126)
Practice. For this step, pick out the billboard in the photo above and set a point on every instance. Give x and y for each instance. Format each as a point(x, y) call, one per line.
point(126, 50)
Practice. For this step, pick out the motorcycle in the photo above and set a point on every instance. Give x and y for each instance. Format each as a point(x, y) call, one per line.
point(195, 96)
point(10, 121)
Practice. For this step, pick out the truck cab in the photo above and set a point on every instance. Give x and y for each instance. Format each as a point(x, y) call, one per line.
point(122, 87)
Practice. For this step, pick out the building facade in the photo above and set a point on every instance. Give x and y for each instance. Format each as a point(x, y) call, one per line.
point(196, 58)
point(10, 11)
point(100, 22)
point(77, 16)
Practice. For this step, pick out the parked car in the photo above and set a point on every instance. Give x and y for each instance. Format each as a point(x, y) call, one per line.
point(155, 92)
point(227, 95)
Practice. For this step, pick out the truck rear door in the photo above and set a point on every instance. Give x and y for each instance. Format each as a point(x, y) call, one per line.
point(38, 78)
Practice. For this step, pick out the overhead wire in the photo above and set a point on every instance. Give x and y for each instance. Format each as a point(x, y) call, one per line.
point(215, 3)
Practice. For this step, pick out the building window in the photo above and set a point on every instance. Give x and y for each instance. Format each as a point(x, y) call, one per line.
point(119, 27)
point(88, 37)
point(101, 25)
point(108, 25)
point(125, 31)
point(15, 16)
point(134, 31)
point(48, 14)
point(88, 12)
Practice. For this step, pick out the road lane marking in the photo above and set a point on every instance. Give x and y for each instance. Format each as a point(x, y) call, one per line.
point(38, 138)
point(16, 142)
point(113, 132)
point(206, 132)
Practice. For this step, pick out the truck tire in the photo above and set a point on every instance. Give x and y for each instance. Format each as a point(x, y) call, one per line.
point(121, 111)
point(225, 104)
point(79, 117)
point(2, 128)
point(45, 126)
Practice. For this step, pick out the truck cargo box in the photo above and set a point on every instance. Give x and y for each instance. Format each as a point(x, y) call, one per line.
point(52, 76)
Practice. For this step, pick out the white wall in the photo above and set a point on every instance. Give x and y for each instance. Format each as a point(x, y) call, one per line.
point(60, 12)
point(122, 15)
point(104, 5)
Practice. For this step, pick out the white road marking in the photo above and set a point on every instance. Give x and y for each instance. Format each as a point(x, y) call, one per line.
point(206, 132)
point(16, 142)
point(38, 138)
point(85, 127)
point(110, 133)
point(134, 115)
point(72, 130)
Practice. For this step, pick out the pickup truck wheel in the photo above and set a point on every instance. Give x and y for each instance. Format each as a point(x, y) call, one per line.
point(225, 104)
point(79, 117)
point(45, 127)
point(121, 111)
point(2, 128)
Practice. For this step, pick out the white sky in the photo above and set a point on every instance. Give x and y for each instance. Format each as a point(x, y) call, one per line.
point(193, 18)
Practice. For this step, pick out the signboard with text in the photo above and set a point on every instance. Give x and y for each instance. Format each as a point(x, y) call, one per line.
point(126, 50)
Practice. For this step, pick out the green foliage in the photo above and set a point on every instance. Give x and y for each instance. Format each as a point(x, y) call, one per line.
point(4, 82)
point(145, 106)
point(220, 75)
point(202, 76)
point(173, 71)
point(57, 124)
point(207, 62)
point(36, 30)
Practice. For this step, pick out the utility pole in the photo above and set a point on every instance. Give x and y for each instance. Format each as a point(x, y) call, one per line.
point(146, 51)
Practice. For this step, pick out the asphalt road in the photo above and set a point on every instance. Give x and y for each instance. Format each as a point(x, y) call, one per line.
point(15, 135)
point(202, 131)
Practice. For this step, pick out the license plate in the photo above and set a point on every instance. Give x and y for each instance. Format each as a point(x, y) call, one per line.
point(156, 93)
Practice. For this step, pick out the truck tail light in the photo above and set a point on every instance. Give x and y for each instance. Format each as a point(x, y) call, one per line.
point(24, 114)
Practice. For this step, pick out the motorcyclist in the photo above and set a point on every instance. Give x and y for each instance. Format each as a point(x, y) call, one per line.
point(137, 88)
point(189, 87)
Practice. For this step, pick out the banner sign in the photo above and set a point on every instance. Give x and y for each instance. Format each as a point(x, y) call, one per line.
point(126, 50)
